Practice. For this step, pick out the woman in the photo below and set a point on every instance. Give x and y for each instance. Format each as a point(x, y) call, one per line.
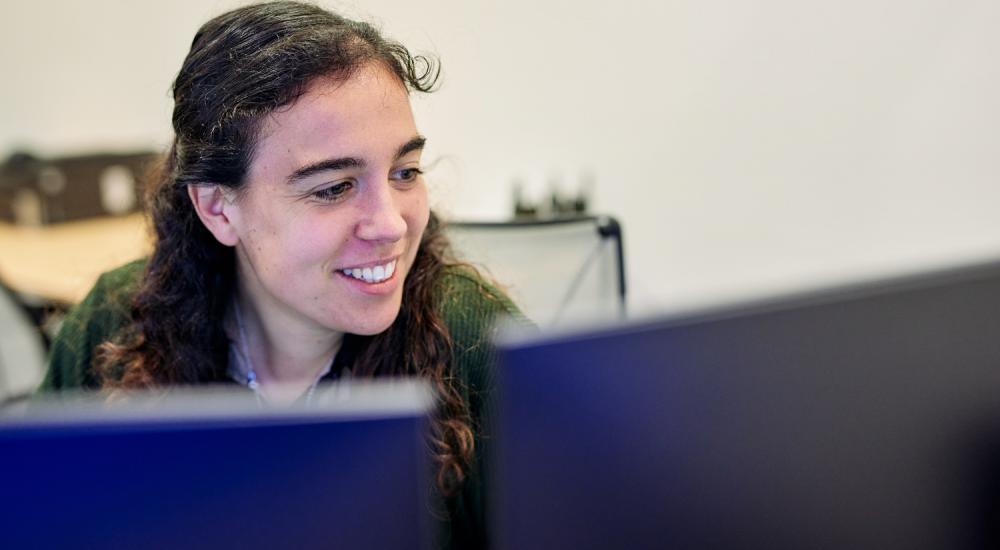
point(294, 242)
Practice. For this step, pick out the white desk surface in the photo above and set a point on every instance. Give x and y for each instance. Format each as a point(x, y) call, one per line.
point(61, 262)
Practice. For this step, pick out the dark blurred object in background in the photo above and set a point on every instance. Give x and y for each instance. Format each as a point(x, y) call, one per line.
point(38, 191)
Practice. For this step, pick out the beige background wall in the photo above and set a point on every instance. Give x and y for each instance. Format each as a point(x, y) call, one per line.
point(748, 147)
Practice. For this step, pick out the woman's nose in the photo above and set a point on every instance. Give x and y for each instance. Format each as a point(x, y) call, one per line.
point(382, 218)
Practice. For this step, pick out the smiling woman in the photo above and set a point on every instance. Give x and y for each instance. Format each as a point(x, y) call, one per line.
point(325, 194)
point(294, 242)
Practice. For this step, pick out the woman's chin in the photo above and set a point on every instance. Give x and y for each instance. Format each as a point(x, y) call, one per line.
point(372, 324)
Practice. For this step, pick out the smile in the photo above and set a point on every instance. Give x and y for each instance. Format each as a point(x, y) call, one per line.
point(372, 274)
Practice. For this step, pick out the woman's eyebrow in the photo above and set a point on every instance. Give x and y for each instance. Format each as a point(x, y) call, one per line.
point(325, 165)
point(415, 144)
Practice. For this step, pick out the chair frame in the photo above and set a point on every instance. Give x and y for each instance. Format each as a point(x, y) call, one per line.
point(607, 228)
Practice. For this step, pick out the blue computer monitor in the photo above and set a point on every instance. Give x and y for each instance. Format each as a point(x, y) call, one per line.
point(863, 418)
point(218, 471)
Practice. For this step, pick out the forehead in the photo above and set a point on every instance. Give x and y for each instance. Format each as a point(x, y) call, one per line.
point(366, 115)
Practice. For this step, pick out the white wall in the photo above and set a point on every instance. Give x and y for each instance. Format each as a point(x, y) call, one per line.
point(748, 147)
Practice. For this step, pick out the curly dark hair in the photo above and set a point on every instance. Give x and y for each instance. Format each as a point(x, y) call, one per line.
point(243, 65)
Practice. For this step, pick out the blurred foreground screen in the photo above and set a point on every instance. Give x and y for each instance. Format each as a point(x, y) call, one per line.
point(214, 469)
point(862, 418)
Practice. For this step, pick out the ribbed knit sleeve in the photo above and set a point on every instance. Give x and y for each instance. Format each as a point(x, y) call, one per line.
point(91, 322)
point(473, 309)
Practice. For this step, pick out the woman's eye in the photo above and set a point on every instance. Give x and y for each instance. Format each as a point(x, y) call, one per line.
point(333, 192)
point(407, 174)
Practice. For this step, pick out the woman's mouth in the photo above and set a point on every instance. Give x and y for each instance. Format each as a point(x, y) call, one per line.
point(372, 274)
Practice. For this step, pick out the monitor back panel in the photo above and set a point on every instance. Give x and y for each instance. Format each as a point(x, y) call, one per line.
point(866, 419)
point(236, 483)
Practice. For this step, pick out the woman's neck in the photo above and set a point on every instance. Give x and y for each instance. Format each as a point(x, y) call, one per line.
point(286, 357)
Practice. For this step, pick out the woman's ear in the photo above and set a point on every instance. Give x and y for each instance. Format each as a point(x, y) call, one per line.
point(214, 206)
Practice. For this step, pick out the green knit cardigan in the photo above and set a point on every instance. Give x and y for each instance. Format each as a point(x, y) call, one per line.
point(469, 306)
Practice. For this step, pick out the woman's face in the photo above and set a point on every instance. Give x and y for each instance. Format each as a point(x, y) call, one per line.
point(333, 206)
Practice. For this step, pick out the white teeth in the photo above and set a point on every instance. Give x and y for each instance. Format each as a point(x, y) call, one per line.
point(374, 274)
